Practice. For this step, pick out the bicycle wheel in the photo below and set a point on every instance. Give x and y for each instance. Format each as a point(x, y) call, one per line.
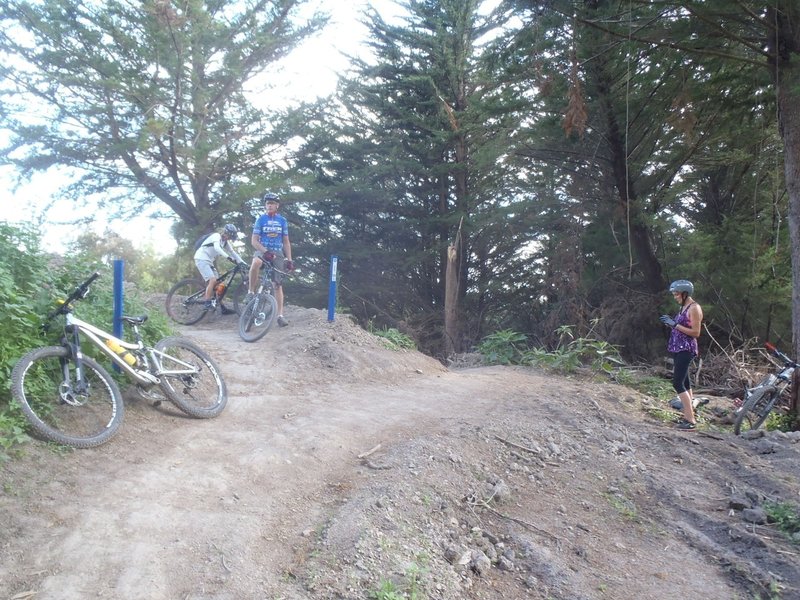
point(56, 409)
point(237, 296)
point(756, 409)
point(257, 317)
point(185, 303)
point(190, 378)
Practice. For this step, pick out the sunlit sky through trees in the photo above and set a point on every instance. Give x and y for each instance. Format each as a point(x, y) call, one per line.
point(310, 72)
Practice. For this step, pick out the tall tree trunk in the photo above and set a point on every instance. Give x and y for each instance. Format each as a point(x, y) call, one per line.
point(630, 210)
point(786, 49)
point(451, 333)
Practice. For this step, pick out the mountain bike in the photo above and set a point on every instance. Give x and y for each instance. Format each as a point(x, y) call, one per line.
point(186, 302)
point(760, 400)
point(260, 312)
point(70, 399)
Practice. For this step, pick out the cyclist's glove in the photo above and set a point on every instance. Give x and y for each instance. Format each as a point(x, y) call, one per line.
point(289, 265)
point(267, 256)
point(668, 321)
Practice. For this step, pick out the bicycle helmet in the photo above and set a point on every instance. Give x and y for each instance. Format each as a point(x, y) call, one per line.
point(271, 197)
point(230, 230)
point(681, 285)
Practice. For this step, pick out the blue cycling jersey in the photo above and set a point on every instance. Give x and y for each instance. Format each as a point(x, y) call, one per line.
point(271, 231)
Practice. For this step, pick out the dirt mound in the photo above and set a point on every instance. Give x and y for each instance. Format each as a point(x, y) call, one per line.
point(344, 469)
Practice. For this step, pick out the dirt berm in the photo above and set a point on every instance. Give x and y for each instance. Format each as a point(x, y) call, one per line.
point(343, 469)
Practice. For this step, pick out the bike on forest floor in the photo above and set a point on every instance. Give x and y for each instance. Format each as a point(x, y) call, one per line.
point(186, 302)
point(70, 399)
point(259, 313)
point(761, 399)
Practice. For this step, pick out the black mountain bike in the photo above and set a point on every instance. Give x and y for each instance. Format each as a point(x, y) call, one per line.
point(186, 299)
point(760, 400)
point(259, 314)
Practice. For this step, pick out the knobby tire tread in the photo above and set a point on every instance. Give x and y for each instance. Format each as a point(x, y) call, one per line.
point(174, 303)
point(254, 323)
point(93, 423)
point(763, 400)
point(202, 394)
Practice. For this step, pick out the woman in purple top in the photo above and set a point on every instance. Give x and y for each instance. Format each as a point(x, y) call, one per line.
point(683, 346)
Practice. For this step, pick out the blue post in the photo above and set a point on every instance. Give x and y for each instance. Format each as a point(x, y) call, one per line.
point(119, 268)
point(332, 288)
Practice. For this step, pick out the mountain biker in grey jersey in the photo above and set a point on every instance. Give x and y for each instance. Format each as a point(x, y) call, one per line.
point(216, 244)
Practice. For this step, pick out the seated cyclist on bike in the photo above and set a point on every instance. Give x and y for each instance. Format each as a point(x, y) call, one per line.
point(270, 241)
point(216, 244)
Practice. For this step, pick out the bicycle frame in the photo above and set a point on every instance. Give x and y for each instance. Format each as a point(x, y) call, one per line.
point(143, 375)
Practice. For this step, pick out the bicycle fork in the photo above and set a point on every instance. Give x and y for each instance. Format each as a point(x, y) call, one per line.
point(73, 394)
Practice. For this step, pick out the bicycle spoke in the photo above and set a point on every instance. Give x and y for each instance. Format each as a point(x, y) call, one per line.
point(185, 303)
point(62, 411)
point(190, 378)
point(257, 317)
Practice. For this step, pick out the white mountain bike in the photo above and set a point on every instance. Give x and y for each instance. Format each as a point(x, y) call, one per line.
point(761, 399)
point(70, 399)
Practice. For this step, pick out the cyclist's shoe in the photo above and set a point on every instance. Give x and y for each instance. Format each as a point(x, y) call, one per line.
point(225, 310)
point(685, 425)
point(210, 305)
point(282, 321)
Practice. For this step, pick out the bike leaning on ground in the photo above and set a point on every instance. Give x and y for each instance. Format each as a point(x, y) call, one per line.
point(70, 399)
point(186, 299)
point(259, 313)
point(760, 400)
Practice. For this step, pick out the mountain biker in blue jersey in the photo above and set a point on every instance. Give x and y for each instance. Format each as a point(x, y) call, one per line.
point(683, 346)
point(216, 244)
point(270, 241)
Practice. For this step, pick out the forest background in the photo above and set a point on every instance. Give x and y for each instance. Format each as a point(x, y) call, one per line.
point(508, 166)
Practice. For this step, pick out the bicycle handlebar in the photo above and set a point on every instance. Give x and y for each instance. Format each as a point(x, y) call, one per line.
point(78, 293)
point(788, 361)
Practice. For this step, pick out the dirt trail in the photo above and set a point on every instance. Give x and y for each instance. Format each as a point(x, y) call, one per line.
point(481, 483)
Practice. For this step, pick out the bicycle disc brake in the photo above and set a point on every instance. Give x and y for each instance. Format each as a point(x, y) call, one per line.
point(68, 395)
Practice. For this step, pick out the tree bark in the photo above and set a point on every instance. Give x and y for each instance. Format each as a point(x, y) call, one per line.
point(629, 206)
point(451, 335)
point(786, 67)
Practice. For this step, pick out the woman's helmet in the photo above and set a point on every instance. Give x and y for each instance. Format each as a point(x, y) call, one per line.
point(271, 197)
point(230, 230)
point(682, 285)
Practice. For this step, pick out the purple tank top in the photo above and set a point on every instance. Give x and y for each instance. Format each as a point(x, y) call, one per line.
point(679, 341)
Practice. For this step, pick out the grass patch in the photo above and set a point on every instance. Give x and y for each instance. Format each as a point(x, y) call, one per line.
point(394, 339)
point(786, 518)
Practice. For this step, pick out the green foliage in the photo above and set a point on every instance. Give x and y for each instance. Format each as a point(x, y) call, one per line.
point(142, 267)
point(410, 590)
point(507, 347)
point(786, 516)
point(598, 355)
point(780, 421)
point(657, 387)
point(394, 339)
point(134, 75)
point(503, 347)
point(387, 591)
point(31, 283)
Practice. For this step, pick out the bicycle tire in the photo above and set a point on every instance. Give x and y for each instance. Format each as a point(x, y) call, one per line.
point(90, 420)
point(756, 409)
point(237, 296)
point(185, 301)
point(201, 394)
point(257, 317)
